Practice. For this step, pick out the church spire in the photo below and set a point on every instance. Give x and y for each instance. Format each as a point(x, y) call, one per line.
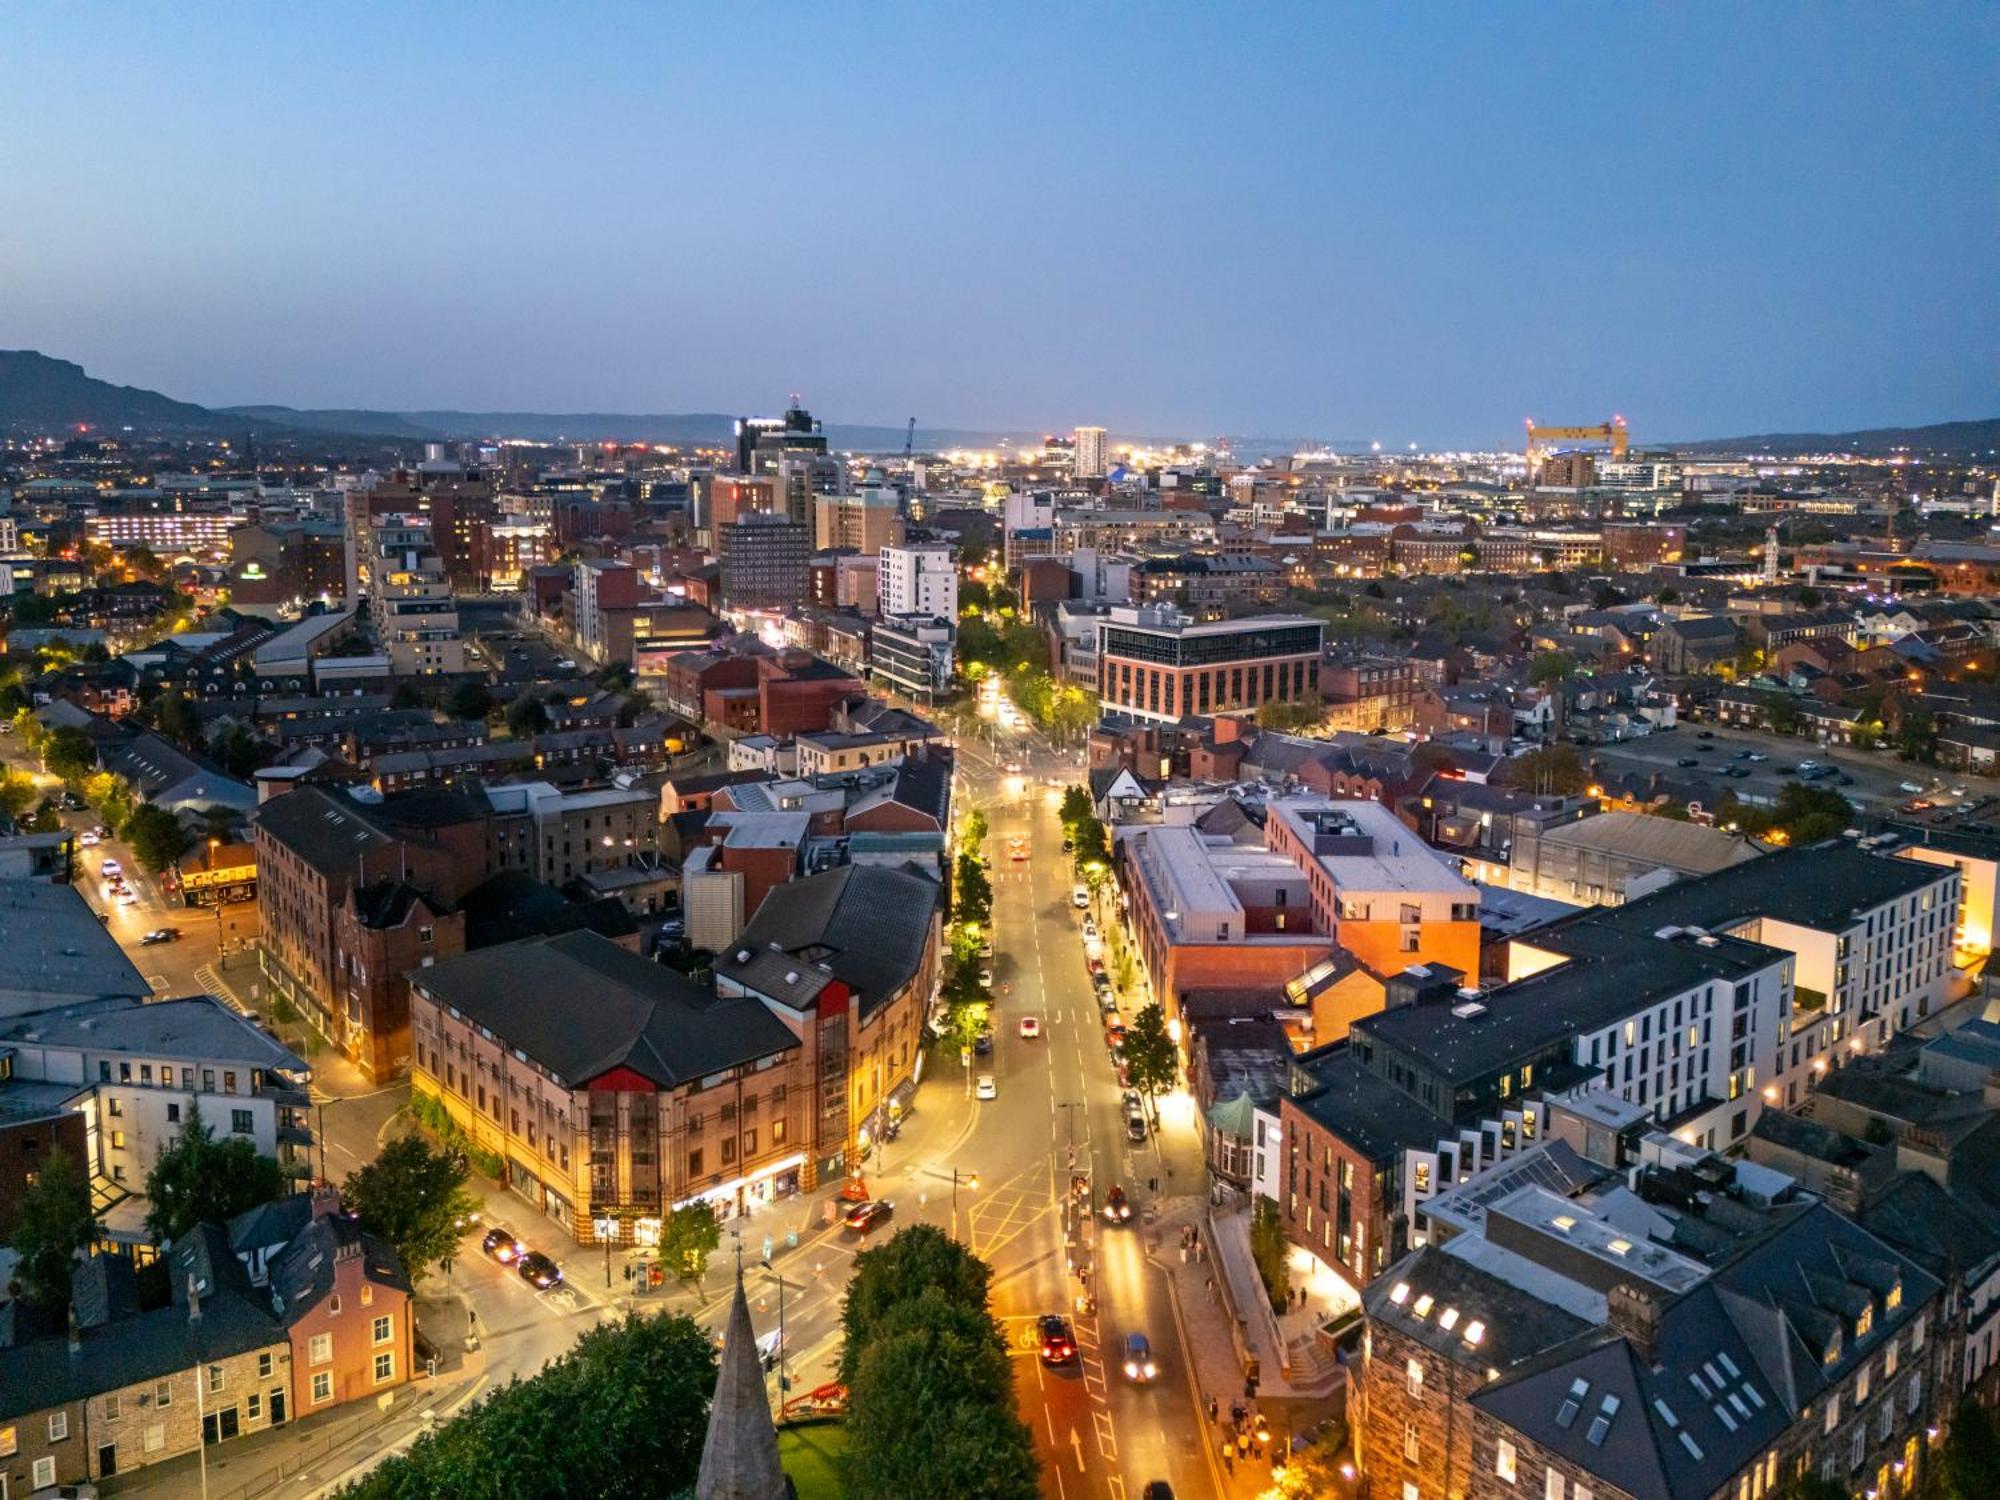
point(739, 1457)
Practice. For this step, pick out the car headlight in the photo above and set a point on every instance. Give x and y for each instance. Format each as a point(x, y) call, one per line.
point(1151, 1370)
point(1131, 1370)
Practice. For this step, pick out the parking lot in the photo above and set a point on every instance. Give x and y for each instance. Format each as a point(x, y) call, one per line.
point(1877, 783)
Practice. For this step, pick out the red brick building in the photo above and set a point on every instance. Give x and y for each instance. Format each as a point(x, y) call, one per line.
point(382, 932)
point(348, 1314)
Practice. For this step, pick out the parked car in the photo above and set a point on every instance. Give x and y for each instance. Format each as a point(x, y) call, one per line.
point(1135, 1126)
point(1114, 1034)
point(539, 1271)
point(1089, 930)
point(111, 867)
point(1909, 786)
point(1687, 760)
point(865, 1216)
point(1079, 898)
point(982, 1045)
point(987, 1087)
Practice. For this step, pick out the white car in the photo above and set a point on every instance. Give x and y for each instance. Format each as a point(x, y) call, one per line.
point(1089, 930)
point(1909, 786)
point(986, 979)
point(109, 868)
point(128, 897)
point(1031, 1028)
point(1958, 791)
point(1079, 898)
point(987, 1087)
point(88, 839)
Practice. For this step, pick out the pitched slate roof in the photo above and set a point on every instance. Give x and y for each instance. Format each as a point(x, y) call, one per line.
point(580, 1005)
point(866, 923)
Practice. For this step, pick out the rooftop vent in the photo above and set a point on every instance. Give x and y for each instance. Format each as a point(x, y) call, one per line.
point(743, 955)
point(1472, 1010)
point(1667, 933)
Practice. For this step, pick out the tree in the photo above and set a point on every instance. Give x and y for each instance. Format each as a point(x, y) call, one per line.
point(1151, 1061)
point(110, 797)
point(1809, 1487)
point(1076, 806)
point(975, 891)
point(68, 754)
point(144, 561)
point(1971, 1454)
point(1286, 718)
point(932, 1409)
point(911, 1261)
point(689, 1236)
point(157, 837)
point(527, 716)
point(237, 751)
point(175, 718)
point(17, 795)
point(1093, 851)
point(200, 1180)
point(53, 1222)
point(974, 831)
point(1553, 770)
point(413, 1196)
point(1314, 1470)
point(1810, 598)
point(1551, 667)
point(628, 1399)
point(1917, 736)
point(469, 700)
point(1607, 596)
point(1270, 1250)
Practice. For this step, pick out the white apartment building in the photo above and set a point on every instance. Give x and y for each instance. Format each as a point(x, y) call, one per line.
point(410, 599)
point(1089, 459)
point(917, 578)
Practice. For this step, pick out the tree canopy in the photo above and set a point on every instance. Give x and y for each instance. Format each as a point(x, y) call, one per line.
point(628, 1400)
point(1552, 770)
point(54, 1220)
point(157, 837)
point(527, 716)
point(913, 1259)
point(69, 754)
point(200, 1180)
point(689, 1236)
point(413, 1196)
point(1151, 1061)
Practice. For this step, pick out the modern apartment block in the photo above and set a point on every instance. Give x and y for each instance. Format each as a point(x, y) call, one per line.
point(1155, 663)
point(763, 561)
point(410, 599)
point(917, 578)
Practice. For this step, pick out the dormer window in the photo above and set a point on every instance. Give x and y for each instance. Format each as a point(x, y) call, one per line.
point(1895, 1298)
point(1864, 1321)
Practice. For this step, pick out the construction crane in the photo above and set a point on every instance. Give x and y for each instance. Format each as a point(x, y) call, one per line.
point(910, 440)
point(1612, 432)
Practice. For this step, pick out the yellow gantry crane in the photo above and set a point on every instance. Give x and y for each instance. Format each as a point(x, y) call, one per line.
point(1612, 432)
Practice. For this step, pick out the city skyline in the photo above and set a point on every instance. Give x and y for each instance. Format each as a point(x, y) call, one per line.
point(1375, 228)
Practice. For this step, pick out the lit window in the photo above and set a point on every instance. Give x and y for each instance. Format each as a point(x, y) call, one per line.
point(1413, 1377)
point(1620, 1247)
point(1503, 1460)
point(1400, 1293)
point(1474, 1332)
point(320, 1351)
point(1448, 1319)
point(1424, 1305)
point(1564, 1222)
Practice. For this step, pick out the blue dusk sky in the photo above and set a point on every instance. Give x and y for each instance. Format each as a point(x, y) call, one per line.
point(1410, 222)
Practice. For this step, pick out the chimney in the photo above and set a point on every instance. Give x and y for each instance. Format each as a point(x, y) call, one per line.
point(1227, 730)
point(75, 1333)
point(194, 1300)
point(1635, 1317)
point(325, 1202)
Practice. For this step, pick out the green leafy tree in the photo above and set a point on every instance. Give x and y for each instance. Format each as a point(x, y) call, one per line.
point(47, 819)
point(902, 1268)
point(1550, 667)
point(157, 837)
point(200, 1180)
point(1917, 736)
point(68, 753)
point(629, 1399)
point(413, 1196)
point(1970, 1457)
point(974, 597)
point(53, 1221)
point(1314, 1471)
point(1093, 851)
point(1809, 1487)
point(1151, 1061)
point(527, 716)
point(175, 717)
point(110, 797)
point(1269, 1249)
point(471, 699)
point(1076, 806)
point(17, 795)
point(689, 1237)
point(1552, 770)
point(932, 1408)
point(975, 892)
point(974, 831)
point(237, 751)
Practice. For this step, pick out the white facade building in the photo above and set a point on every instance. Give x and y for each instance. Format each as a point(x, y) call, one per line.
point(917, 578)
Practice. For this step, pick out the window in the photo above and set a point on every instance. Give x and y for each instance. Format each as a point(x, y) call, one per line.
point(1410, 1490)
point(694, 1162)
point(241, 1123)
point(1917, 1334)
point(217, 1379)
point(1552, 1484)
point(385, 1367)
point(320, 1352)
point(10, 1441)
point(1413, 1376)
point(253, 1406)
point(112, 1406)
point(382, 1330)
point(322, 1387)
point(264, 1365)
point(58, 1426)
point(1861, 1384)
point(44, 1473)
point(155, 1438)
point(1915, 1397)
point(1832, 1413)
point(117, 1140)
point(1410, 1447)
point(1503, 1460)
point(173, 1114)
point(163, 1393)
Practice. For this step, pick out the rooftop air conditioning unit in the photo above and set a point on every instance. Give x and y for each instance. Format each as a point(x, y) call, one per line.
point(1472, 1010)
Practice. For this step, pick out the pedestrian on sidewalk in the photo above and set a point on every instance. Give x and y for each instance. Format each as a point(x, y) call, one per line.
point(1213, 1407)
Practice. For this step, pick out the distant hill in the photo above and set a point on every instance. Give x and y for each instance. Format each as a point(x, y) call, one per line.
point(43, 395)
point(1952, 439)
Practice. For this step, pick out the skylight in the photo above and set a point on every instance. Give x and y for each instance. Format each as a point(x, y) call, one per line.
point(1448, 1319)
point(1666, 1412)
point(1728, 1364)
point(1619, 1247)
point(1600, 1425)
point(1573, 1403)
point(1400, 1293)
point(1474, 1332)
point(1564, 1222)
point(1722, 1416)
point(1693, 1448)
point(1424, 1305)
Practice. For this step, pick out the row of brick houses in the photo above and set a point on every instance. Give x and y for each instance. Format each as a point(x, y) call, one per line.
point(286, 1312)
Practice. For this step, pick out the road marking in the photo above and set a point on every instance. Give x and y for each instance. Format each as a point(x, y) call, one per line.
point(1076, 1442)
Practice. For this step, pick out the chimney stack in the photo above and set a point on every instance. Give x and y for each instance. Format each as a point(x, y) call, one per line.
point(1635, 1317)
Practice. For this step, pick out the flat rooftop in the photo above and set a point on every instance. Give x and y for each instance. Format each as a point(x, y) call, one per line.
point(1365, 847)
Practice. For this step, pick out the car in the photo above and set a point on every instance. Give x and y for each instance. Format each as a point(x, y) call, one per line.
point(1843, 780)
point(1135, 1127)
point(1705, 734)
point(1090, 929)
point(1079, 897)
point(101, 831)
point(1808, 764)
point(1737, 773)
point(1031, 1028)
point(1117, 1207)
point(1908, 786)
point(865, 1216)
point(502, 1246)
point(1139, 1365)
point(1017, 849)
point(982, 1045)
point(1107, 1002)
point(1687, 760)
point(1781, 770)
point(566, 665)
point(1095, 963)
point(1704, 749)
point(1958, 791)
point(1114, 1034)
point(539, 1271)
point(111, 867)
point(988, 1087)
point(1757, 757)
point(1058, 1343)
point(89, 840)
point(986, 979)
point(73, 802)
point(986, 949)
point(1068, 844)
point(65, 1492)
point(128, 897)
point(1157, 1489)
point(160, 935)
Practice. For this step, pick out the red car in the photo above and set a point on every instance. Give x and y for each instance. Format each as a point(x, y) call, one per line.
point(1058, 1343)
point(1114, 1034)
point(865, 1216)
